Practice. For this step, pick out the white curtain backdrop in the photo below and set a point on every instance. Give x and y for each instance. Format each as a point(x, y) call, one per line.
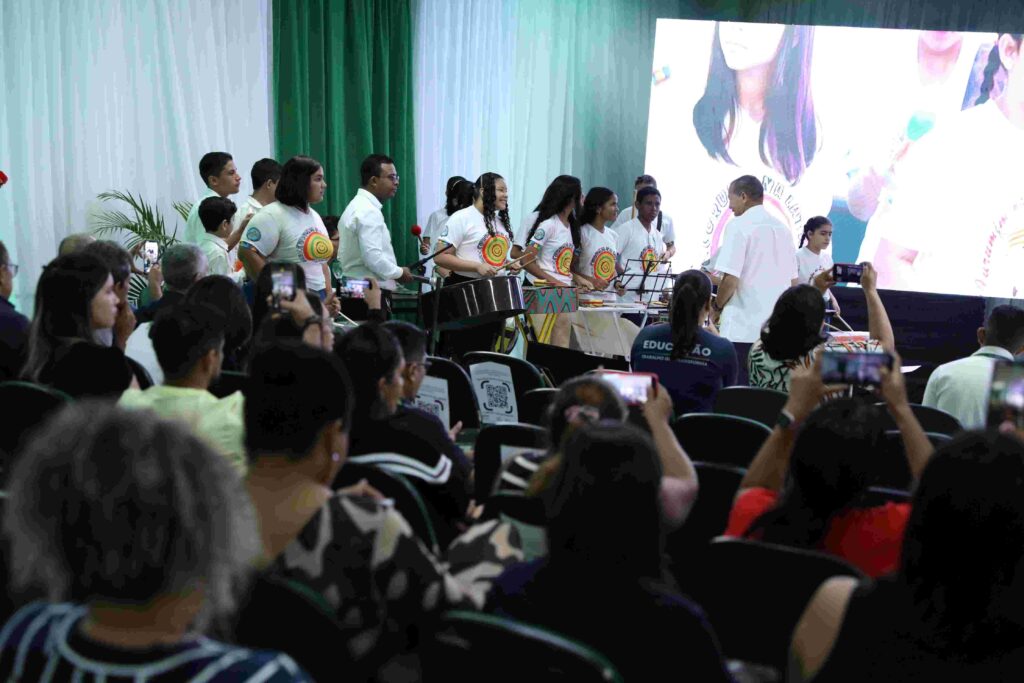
point(121, 94)
point(531, 89)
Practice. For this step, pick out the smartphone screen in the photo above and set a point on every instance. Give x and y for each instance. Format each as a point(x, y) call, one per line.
point(282, 282)
point(353, 288)
point(847, 272)
point(1006, 398)
point(862, 368)
point(150, 254)
point(632, 386)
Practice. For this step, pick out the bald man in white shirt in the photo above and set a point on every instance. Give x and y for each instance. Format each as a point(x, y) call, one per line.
point(757, 263)
point(364, 241)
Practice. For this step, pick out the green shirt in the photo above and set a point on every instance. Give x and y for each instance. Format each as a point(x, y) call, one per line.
point(217, 421)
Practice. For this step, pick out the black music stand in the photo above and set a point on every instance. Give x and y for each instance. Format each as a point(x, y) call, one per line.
point(646, 273)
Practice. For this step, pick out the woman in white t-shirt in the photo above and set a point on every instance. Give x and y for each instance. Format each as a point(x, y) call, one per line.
point(526, 227)
point(756, 117)
point(598, 260)
point(956, 224)
point(290, 230)
point(811, 257)
point(481, 236)
point(435, 219)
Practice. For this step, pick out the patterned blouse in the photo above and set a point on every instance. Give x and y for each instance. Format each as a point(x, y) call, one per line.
point(381, 580)
point(768, 373)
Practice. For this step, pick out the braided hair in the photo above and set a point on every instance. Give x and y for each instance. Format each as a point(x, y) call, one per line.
point(810, 227)
point(995, 63)
point(485, 190)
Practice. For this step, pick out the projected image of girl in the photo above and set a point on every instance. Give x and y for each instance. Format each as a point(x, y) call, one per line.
point(756, 116)
point(957, 223)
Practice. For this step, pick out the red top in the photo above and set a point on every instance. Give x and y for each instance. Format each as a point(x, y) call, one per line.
point(869, 538)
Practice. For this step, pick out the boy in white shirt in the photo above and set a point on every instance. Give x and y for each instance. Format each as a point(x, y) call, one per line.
point(217, 169)
point(664, 224)
point(216, 214)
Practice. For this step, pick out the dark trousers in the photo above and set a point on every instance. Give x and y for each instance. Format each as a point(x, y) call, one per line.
point(742, 374)
point(356, 309)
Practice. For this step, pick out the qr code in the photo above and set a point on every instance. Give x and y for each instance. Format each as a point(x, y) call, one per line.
point(497, 395)
point(434, 408)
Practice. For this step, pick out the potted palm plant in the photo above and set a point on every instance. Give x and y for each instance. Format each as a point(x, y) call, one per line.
point(142, 223)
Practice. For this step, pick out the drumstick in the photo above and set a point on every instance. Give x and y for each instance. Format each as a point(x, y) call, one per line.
point(509, 264)
point(632, 208)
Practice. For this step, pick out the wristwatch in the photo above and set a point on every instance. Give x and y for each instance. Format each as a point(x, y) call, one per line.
point(311, 320)
point(785, 420)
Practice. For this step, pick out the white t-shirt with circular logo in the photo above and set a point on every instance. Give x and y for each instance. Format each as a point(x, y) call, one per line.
point(467, 232)
point(554, 240)
point(279, 232)
point(598, 256)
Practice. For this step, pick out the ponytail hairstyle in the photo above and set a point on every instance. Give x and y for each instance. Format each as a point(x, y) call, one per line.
point(995, 63)
point(789, 131)
point(592, 203)
point(460, 195)
point(484, 188)
point(812, 226)
point(562, 190)
point(690, 294)
point(833, 463)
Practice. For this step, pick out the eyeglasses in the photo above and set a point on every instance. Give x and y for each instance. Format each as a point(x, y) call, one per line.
point(393, 177)
point(12, 267)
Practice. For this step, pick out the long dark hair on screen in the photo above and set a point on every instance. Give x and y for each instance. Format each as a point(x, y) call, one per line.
point(565, 190)
point(485, 190)
point(690, 294)
point(810, 227)
point(596, 198)
point(995, 63)
point(789, 131)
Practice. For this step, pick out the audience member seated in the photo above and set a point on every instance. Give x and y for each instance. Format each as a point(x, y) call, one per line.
point(961, 387)
point(224, 295)
point(149, 534)
point(181, 266)
point(603, 581)
point(388, 435)
point(804, 486)
point(358, 552)
point(216, 213)
point(687, 354)
point(953, 612)
point(261, 305)
point(119, 263)
point(75, 299)
point(74, 242)
point(302, 318)
point(794, 334)
point(13, 325)
point(189, 342)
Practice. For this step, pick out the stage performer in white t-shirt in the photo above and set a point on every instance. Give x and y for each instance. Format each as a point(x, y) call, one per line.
point(812, 255)
point(664, 224)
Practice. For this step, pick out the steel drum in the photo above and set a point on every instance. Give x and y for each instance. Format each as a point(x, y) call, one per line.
point(476, 302)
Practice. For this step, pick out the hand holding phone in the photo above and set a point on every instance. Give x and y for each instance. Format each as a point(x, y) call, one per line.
point(633, 387)
point(847, 272)
point(150, 255)
point(1006, 397)
point(352, 288)
point(862, 368)
point(282, 283)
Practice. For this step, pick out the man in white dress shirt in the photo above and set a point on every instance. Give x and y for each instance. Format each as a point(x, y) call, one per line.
point(364, 240)
point(961, 387)
point(757, 263)
point(217, 169)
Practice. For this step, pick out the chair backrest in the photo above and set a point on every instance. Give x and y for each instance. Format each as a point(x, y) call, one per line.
point(932, 419)
point(755, 403)
point(525, 375)
point(286, 615)
point(708, 518)
point(25, 406)
point(473, 642)
point(229, 382)
point(462, 405)
point(877, 496)
point(722, 439)
point(892, 470)
point(420, 515)
point(535, 404)
point(487, 452)
point(754, 594)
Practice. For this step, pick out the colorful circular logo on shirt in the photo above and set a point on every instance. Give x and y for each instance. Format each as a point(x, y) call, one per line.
point(253, 234)
point(563, 259)
point(603, 264)
point(494, 250)
point(316, 246)
point(649, 258)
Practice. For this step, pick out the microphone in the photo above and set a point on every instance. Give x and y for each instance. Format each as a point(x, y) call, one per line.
point(416, 231)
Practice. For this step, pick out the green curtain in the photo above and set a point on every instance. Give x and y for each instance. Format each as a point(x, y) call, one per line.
point(342, 89)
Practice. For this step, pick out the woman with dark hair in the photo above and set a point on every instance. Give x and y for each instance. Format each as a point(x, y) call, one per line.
point(606, 537)
point(519, 242)
point(554, 236)
point(597, 256)
point(224, 295)
point(794, 335)
point(757, 116)
point(75, 299)
point(638, 241)
point(811, 257)
point(436, 218)
point(480, 236)
point(147, 544)
point(953, 611)
point(804, 488)
point(687, 353)
point(290, 230)
point(978, 253)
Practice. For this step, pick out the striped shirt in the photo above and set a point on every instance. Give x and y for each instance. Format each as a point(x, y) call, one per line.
point(41, 643)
